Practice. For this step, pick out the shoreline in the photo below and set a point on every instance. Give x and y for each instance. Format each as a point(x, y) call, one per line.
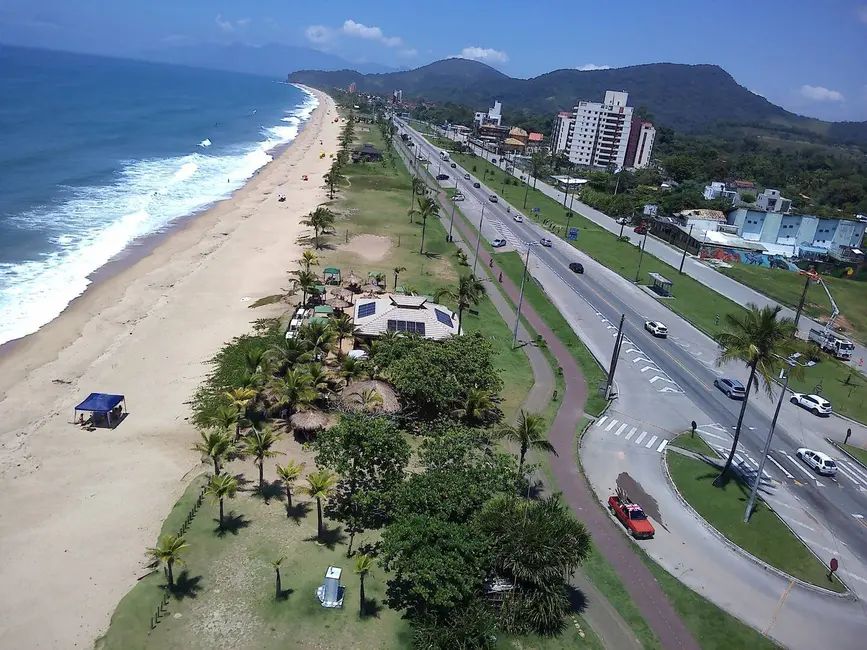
point(79, 508)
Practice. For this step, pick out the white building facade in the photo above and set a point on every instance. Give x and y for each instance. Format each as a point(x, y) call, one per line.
point(599, 133)
point(493, 116)
point(646, 136)
point(563, 125)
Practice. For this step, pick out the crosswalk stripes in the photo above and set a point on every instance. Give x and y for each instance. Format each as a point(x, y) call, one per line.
point(617, 427)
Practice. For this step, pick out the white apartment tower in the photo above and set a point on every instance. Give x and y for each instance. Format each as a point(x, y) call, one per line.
point(646, 136)
point(598, 134)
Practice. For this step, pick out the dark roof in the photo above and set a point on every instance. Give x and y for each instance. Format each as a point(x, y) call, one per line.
point(99, 402)
point(367, 148)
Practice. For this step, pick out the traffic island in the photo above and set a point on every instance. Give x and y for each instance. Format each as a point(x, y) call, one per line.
point(765, 537)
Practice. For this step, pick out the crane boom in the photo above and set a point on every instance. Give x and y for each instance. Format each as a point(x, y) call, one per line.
point(829, 326)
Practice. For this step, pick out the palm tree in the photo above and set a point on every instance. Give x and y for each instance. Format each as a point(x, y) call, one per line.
point(215, 445)
point(477, 405)
point(320, 337)
point(470, 291)
point(285, 354)
point(321, 220)
point(168, 551)
point(320, 380)
point(254, 360)
point(308, 259)
point(427, 207)
point(418, 187)
point(363, 565)
point(352, 369)
point(529, 433)
point(276, 564)
point(222, 487)
point(537, 162)
point(333, 177)
point(289, 473)
point(307, 281)
point(225, 417)
point(342, 326)
point(292, 390)
point(368, 399)
point(397, 271)
point(761, 339)
point(239, 399)
point(319, 486)
point(258, 444)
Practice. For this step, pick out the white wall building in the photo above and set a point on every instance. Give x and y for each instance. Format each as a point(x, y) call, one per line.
point(646, 136)
point(599, 133)
point(563, 125)
point(493, 116)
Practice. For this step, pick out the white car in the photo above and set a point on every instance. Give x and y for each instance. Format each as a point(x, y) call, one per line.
point(656, 328)
point(813, 403)
point(457, 196)
point(498, 243)
point(819, 462)
point(519, 218)
point(466, 177)
point(547, 243)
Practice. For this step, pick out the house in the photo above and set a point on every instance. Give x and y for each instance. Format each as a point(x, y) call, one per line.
point(366, 153)
point(717, 190)
point(405, 314)
point(771, 201)
point(535, 142)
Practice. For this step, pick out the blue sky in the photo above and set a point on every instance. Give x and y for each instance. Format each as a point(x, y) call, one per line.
point(806, 55)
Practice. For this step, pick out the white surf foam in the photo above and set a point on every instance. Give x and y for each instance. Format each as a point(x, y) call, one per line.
point(98, 223)
point(205, 143)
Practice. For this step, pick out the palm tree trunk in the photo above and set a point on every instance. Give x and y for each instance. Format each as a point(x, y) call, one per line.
point(423, 227)
point(288, 499)
point(316, 236)
point(394, 288)
point(262, 476)
point(221, 514)
point(216, 466)
point(279, 590)
point(521, 459)
point(411, 203)
point(171, 576)
point(361, 596)
point(719, 481)
point(319, 519)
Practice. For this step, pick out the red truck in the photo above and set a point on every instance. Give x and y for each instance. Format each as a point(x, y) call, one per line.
point(631, 515)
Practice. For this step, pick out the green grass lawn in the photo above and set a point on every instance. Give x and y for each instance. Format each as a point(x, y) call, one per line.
point(693, 443)
point(786, 287)
point(858, 452)
point(843, 386)
point(765, 537)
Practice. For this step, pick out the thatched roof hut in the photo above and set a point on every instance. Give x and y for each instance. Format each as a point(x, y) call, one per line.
point(338, 303)
point(305, 422)
point(352, 279)
point(390, 401)
point(343, 292)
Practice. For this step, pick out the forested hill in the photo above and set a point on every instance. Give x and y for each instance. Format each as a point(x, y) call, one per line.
point(687, 98)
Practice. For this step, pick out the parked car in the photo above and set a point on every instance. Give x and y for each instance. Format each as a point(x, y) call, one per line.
point(623, 221)
point(453, 166)
point(731, 387)
point(477, 184)
point(442, 177)
point(466, 177)
point(631, 515)
point(547, 243)
point(640, 230)
point(519, 218)
point(819, 462)
point(576, 267)
point(815, 404)
point(498, 243)
point(656, 328)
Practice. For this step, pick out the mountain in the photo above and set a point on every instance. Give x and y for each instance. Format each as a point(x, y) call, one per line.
point(687, 98)
point(270, 60)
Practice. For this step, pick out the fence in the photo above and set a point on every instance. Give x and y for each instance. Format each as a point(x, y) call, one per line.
point(162, 608)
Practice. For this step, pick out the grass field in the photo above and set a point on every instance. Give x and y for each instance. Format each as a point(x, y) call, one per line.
point(693, 443)
point(765, 537)
point(857, 452)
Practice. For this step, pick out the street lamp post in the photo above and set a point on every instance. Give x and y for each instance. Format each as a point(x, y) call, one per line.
point(521, 294)
point(641, 257)
point(479, 239)
point(569, 216)
point(683, 259)
point(454, 205)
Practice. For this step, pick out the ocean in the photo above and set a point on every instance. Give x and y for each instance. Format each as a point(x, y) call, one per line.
point(97, 153)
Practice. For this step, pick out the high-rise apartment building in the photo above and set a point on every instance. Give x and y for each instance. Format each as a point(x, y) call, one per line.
point(352, 88)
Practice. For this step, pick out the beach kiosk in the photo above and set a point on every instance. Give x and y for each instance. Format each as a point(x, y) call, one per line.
point(331, 593)
point(332, 275)
point(101, 410)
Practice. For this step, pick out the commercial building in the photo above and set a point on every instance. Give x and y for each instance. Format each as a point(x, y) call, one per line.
point(405, 314)
point(718, 190)
point(493, 116)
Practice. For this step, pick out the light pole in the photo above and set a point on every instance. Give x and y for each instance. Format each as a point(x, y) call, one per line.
point(479, 239)
point(614, 356)
point(641, 256)
point(526, 191)
point(809, 276)
point(521, 294)
point(454, 205)
point(791, 362)
point(683, 259)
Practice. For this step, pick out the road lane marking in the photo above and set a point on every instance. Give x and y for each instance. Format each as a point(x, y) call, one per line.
point(855, 470)
point(857, 516)
point(780, 503)
point(713, 435)
point(631, 433)
point(781, 468)
point(641, 437)
point(650, 442)
point(739, 458)
point(802, 525)
point(820, 546)
point(797, 464)
point(611, 425)
point(845, 472)
point(661, 446)
point(620, 430)
point(601, 420)
point(778, 608)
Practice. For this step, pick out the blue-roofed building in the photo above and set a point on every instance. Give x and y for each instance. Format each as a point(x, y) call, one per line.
point(404, 314)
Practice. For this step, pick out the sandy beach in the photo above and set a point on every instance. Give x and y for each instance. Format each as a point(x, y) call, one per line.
point(79, 508)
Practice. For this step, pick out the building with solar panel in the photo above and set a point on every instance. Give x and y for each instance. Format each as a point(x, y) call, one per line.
point(405, 314)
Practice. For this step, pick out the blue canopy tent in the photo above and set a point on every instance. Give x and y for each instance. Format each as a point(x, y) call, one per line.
point(105, 410)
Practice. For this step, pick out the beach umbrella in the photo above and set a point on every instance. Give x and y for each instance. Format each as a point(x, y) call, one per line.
point(372, 288)
point(344, 293)
point(352, 279)
point(307, 422)
point(338, 303)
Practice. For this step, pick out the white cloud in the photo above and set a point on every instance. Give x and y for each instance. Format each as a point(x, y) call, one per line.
point(319, 34)
point(821, 94)
point(592, 66)
point(408, 53)
point(359, 30)
point(861, 12)
point(486, 54)
point(225, 25)
point(243, 22)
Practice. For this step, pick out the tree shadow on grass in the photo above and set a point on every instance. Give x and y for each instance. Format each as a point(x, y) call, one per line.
point(331, 537)
point(371, 607)
point(232, 523)
point(186, 586)
point(284, 594)
point(298, 511)
point(432, 256)
point(272, 490)
point(243, 481)
point(577, 599)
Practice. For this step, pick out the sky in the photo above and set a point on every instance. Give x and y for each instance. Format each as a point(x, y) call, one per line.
point(805, 55)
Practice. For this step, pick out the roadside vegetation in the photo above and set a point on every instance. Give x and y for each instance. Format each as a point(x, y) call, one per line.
point(695, 443)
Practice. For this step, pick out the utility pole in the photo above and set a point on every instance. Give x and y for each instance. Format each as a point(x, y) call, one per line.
point(454, 205)
point(683, 259)
point(568, 185)
point(641, 256)
point(809, 277)
point(479, 240)
point(527, 191)
point(521, 295)
point(569, 216)
point(613, 367)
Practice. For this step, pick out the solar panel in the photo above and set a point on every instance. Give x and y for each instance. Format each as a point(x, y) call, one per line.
point(443, 318)
point(367, 309)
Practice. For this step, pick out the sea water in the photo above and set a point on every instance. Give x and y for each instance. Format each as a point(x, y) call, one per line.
point(96, 153)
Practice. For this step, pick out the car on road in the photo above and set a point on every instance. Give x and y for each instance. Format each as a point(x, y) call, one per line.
point(731, 387)
point(410, 144)
point(518, 218)
point(493, 198)
point(477, 184)
point(814, 403)
point(458, 196)
point(656, 328)
point(442, 177)
point(640, 230)
point(631, 515)
point(498, 243)
point(623, 221)
point(576, 267)
point(466, 177)
point(547, 243)
point(820, 463)
point(453, 166)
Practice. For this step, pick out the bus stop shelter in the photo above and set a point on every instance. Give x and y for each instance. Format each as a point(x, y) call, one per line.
point(660, 285)
point(105, 410)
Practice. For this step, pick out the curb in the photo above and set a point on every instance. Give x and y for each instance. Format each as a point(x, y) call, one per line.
point(846, 595)
point(840, 448)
